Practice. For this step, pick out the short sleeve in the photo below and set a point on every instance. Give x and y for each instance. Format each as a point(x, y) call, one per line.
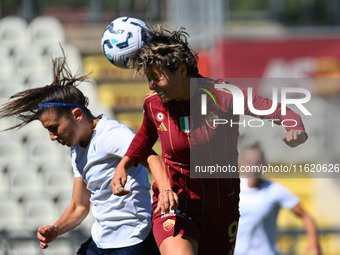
point(118, 140)
point(285, 198)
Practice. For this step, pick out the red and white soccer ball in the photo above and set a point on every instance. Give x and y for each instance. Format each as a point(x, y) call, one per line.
point(122, 38)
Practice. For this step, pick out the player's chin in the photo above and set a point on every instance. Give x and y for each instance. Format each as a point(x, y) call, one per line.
point(69, 144)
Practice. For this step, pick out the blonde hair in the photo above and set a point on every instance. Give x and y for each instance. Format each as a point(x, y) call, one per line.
point(165, 49)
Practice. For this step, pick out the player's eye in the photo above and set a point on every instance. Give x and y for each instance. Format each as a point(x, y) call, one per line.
point(154, 79)
point(53, 129)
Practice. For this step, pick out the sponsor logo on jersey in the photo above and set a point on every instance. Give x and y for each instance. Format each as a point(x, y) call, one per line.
point(170, 213)
point(168, 224)
point(162, 127)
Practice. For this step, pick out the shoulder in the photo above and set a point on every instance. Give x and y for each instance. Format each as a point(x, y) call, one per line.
point(282, 193)
point(223, 86)
point(274, 187)
point(152, 102)
point(220, 90)
point(114, 125)
point(115, 137)
point(268, 184)
point(151, 96)
point(227, 89)
point(111, 129)
point(220, 94)
point(285, 197)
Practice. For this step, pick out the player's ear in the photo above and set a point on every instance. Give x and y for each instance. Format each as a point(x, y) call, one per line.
point(77, 113)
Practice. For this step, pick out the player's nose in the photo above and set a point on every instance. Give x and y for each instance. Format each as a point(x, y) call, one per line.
point(53, 137)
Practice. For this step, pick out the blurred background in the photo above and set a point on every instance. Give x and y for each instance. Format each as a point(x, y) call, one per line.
point(259, 42)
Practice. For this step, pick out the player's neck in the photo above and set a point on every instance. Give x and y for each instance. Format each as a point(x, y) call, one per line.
point(185, 92)
point(254, 182)
point(91, 125)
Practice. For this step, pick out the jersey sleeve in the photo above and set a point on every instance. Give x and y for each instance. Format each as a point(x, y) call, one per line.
point(118, 140)
point(145, 138)
point(285, 198)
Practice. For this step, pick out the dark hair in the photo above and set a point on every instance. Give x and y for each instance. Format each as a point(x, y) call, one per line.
point(167, 49)
point(25, 104)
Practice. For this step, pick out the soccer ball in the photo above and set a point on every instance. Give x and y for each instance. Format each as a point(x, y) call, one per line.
point(122, 38)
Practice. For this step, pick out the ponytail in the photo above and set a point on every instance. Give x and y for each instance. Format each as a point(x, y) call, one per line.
point(63, 92)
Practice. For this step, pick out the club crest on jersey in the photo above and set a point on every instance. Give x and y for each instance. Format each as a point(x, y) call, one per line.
point(168, 224)
point(186, 124)
point(160, 116)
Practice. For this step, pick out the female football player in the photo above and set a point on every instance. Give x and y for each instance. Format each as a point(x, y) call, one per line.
point(122, 224)
point(206, 219)
point(260, 203)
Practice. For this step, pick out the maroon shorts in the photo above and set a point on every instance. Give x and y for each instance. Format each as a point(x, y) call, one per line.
point(214, 230)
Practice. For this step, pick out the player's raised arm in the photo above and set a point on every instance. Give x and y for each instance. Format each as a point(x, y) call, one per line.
point(167, 197)
point(295, 135)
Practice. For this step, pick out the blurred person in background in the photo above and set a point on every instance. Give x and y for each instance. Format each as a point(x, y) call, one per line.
point(260, 202)
point(206, 219)
point(122, 224)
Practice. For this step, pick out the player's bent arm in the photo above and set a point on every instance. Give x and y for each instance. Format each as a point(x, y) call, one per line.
point(78, 209)
point(72, 217)
point(311, 229)
point(154, 162)
point(156, 166)
point(120, 177)
point(167, 199)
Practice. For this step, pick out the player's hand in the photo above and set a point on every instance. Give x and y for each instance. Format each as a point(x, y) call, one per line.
point(294, 138)
point(47, 234)
point(167, 199)
point(118, 182)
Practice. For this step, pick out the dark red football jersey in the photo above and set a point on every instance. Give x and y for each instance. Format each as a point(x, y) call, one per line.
point(187, 137)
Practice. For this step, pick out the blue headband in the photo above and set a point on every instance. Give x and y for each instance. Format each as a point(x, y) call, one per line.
point(61, 104)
